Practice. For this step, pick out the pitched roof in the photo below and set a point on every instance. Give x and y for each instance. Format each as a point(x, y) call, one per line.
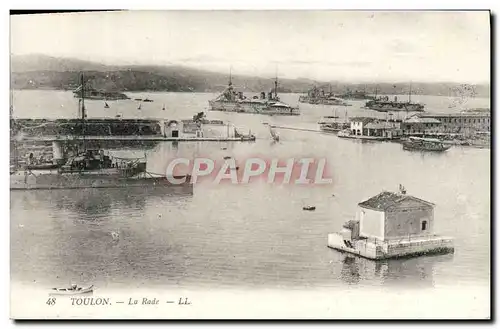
point(416, 119)
point(380, 125)
point(365, 120)
point(386, 200)
point(456, 115)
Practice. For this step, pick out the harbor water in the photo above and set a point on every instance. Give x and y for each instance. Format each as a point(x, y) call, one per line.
point(248, 236)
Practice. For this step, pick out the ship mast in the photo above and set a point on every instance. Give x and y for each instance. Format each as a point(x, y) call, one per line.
point(230, 80)
point(276, 85)
point(83, 110)
point(409, 94)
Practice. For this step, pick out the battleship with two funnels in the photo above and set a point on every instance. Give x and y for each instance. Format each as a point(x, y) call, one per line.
point(232, 101)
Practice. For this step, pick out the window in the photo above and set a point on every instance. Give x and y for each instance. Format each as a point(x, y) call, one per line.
point(424, 225)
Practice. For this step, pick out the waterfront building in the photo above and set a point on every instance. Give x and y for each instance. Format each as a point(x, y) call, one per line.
point(358, 125)
point(391, 225)
point(416, 125)
point(462, 123)
point(372, 127)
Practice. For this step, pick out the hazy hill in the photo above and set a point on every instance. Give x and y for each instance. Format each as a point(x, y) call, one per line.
point(45, 72)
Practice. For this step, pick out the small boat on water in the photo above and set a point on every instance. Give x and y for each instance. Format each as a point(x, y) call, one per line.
point(344, 133)
point(425, 144)
point(139, 107)
point(147, 100)
point(138, 99)
point(106, 106)
point(309, 208)
point(72, 290)
point(333, 124)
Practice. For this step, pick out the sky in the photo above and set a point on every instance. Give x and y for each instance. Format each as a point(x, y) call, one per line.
point(355, 46)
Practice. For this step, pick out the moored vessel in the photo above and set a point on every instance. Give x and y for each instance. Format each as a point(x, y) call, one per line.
point(356, 95)
point(233, 101)
point(318, 96)
point(333, 124)
point(383, 104)
point(425, 144)
point(95, 94)
point(94, 170)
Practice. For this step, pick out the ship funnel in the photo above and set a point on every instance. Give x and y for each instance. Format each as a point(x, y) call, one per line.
point(270, 95)
point(263, 95)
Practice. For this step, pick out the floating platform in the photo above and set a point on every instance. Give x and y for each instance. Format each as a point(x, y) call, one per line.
point(406, 247)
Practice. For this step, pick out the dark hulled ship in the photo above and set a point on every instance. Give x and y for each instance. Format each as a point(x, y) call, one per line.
point(383, 104)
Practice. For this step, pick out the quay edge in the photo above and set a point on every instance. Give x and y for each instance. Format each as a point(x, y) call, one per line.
point(379, 250)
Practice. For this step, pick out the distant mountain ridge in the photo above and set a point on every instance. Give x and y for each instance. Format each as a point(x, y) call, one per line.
point(45, 72)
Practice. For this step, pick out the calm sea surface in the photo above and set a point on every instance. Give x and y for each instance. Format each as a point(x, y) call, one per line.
point(254, 235)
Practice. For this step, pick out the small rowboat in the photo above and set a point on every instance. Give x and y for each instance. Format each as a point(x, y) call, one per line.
point(73, 290)
point(310, 208)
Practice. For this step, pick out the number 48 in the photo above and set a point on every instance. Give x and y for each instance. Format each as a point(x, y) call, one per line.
point(51, 301)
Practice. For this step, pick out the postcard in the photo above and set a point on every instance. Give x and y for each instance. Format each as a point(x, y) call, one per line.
point(266, 164)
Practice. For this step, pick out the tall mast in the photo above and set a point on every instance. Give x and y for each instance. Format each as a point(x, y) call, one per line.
point(83, 110)
point(11, 110)
point(276, 85)
point(409, 94)
point(376, 91)
point(230, 80)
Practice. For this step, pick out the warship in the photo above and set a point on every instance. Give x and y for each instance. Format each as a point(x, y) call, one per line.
point(383, 104)
point(317, 96)
point(232, 101)
point(356, 95)
point(94, 94)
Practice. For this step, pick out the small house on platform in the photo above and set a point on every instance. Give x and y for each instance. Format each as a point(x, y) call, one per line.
point(390, 215)
point(391, 225)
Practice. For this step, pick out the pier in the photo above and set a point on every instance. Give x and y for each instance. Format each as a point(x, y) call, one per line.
point(295, 128)
point(132, 138)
